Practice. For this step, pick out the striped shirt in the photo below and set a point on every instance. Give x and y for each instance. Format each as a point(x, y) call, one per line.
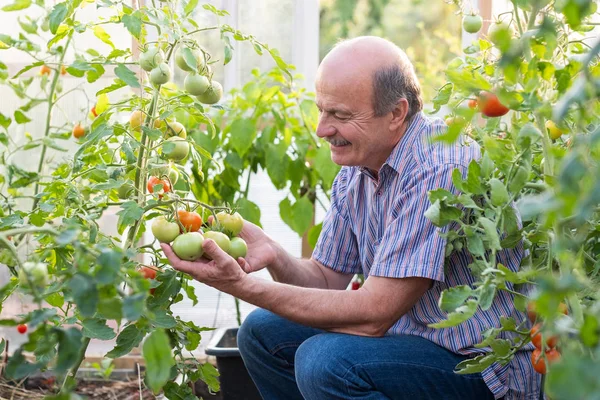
point(377, 227)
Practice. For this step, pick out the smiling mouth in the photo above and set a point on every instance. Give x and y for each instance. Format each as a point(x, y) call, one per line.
point(338, 143)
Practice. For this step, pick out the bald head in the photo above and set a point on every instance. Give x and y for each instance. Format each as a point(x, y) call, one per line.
point(392, 76)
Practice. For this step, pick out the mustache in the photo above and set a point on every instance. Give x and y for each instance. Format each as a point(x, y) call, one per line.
point(337, 141)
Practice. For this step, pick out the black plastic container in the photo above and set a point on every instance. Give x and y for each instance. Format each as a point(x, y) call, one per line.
point(236, 383)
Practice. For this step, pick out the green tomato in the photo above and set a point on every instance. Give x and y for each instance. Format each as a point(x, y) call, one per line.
point(472, 23)
point(34, 272)
point(179, 151)
point(188, 246)
point(196, 84)
point(220, 238)
point(161, 74)
point(238, 248)
point(165, 231)
point(499, 31)
point(232, 223)
point(175, 128)
point(213, 94)
point(126, 190)
point(173, 175)
point(151, 58)
point(193, 54)
point(46, 25)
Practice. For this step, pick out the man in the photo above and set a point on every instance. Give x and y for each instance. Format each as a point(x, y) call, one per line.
point(313, 339)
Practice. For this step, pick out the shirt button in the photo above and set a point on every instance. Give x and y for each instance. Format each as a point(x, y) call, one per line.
point(379, 193)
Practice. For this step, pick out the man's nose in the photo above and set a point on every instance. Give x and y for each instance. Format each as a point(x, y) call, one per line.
point(324, 128)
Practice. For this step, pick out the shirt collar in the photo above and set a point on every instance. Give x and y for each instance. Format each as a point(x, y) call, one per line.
point(397, 159)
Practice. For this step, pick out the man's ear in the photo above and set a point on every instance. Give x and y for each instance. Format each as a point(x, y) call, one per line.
point(399, 114)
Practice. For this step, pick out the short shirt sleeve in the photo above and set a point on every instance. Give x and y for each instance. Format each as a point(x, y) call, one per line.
point(412, 245)
point(337, 247)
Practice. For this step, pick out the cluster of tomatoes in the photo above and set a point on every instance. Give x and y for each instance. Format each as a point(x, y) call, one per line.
point(185, 234)
point(545, 345)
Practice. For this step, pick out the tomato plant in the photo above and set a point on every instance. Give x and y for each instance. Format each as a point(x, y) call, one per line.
point(540, 61)
point(134, 155)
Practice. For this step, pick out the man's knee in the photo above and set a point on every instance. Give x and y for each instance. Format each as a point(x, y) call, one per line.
point(256, 324)
point(316, 369)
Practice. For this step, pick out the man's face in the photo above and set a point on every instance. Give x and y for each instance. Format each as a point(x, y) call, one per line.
point(347, 120)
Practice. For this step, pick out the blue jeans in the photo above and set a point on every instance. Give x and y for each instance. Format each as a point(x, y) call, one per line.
point(291, 361)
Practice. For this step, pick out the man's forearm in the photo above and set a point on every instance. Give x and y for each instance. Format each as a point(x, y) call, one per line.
point(342, 311)
point(296, 271)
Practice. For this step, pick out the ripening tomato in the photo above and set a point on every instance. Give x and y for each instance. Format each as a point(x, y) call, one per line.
point(191, 221)
point(153, 181)
point(231, 223)
point(490, 106)
point(45, 70)
point(148, 273)
point(78, 131)
point(164, 231)
point(175, 128)
point(472, 104)
point(553, 131)
point(94, 113)
point(22, 328)
point(536, 338)
point(178, 150)
point(220, 238)
point(136, 119)
point(538, 362)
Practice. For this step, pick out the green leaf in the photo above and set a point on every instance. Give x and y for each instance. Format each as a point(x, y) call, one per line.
point(518, 180)
point(501, 347)
point(457, 317)
point(133, 24)
point(475, 365)
point(326, 168)
point(209, 374)
point(133, 306)
point(127, 76)
point(190, 7)
point(243, 133)
point(486, 295)
point(110, 263)
point(442, 97)
point(55, 300)
point(157, 354)
point(17, 5)
point(96, 328)
point(57, 16)
point(69, 344)
point(18, 367)
point(491, 233)
point(499, 194)
point(129, 338)
point(179, 392)
point(249, 210)
point(297, 216)
point(85, 294)
point(101, 34)
point(475, 245)
point(528, 135)
point(454, 297)
point(130, 213)
point(467, 201)
point(473, 182)
point(37, 317)
point(21, 118)
point(440, 214)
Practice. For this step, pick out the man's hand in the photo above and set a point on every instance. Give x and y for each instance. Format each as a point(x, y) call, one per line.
point(262, 250)
point(220, 272)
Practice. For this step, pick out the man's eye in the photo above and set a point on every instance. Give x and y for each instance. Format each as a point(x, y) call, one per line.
point(342, 117)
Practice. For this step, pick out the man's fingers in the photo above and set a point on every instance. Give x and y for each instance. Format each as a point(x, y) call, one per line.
point(180, 265)
point(244, 265)
point(211, 248)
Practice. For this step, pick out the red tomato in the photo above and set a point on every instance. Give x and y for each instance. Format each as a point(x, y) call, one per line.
point(192, 221)
point(149, 273)
point(538, 362)
point(490, 106)
point(78, 131)
point(22, 328)
point(536, 338)
point(153, 181)
point(355, 285)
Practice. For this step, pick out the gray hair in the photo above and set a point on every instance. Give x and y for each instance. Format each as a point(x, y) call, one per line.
point(395, 82)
